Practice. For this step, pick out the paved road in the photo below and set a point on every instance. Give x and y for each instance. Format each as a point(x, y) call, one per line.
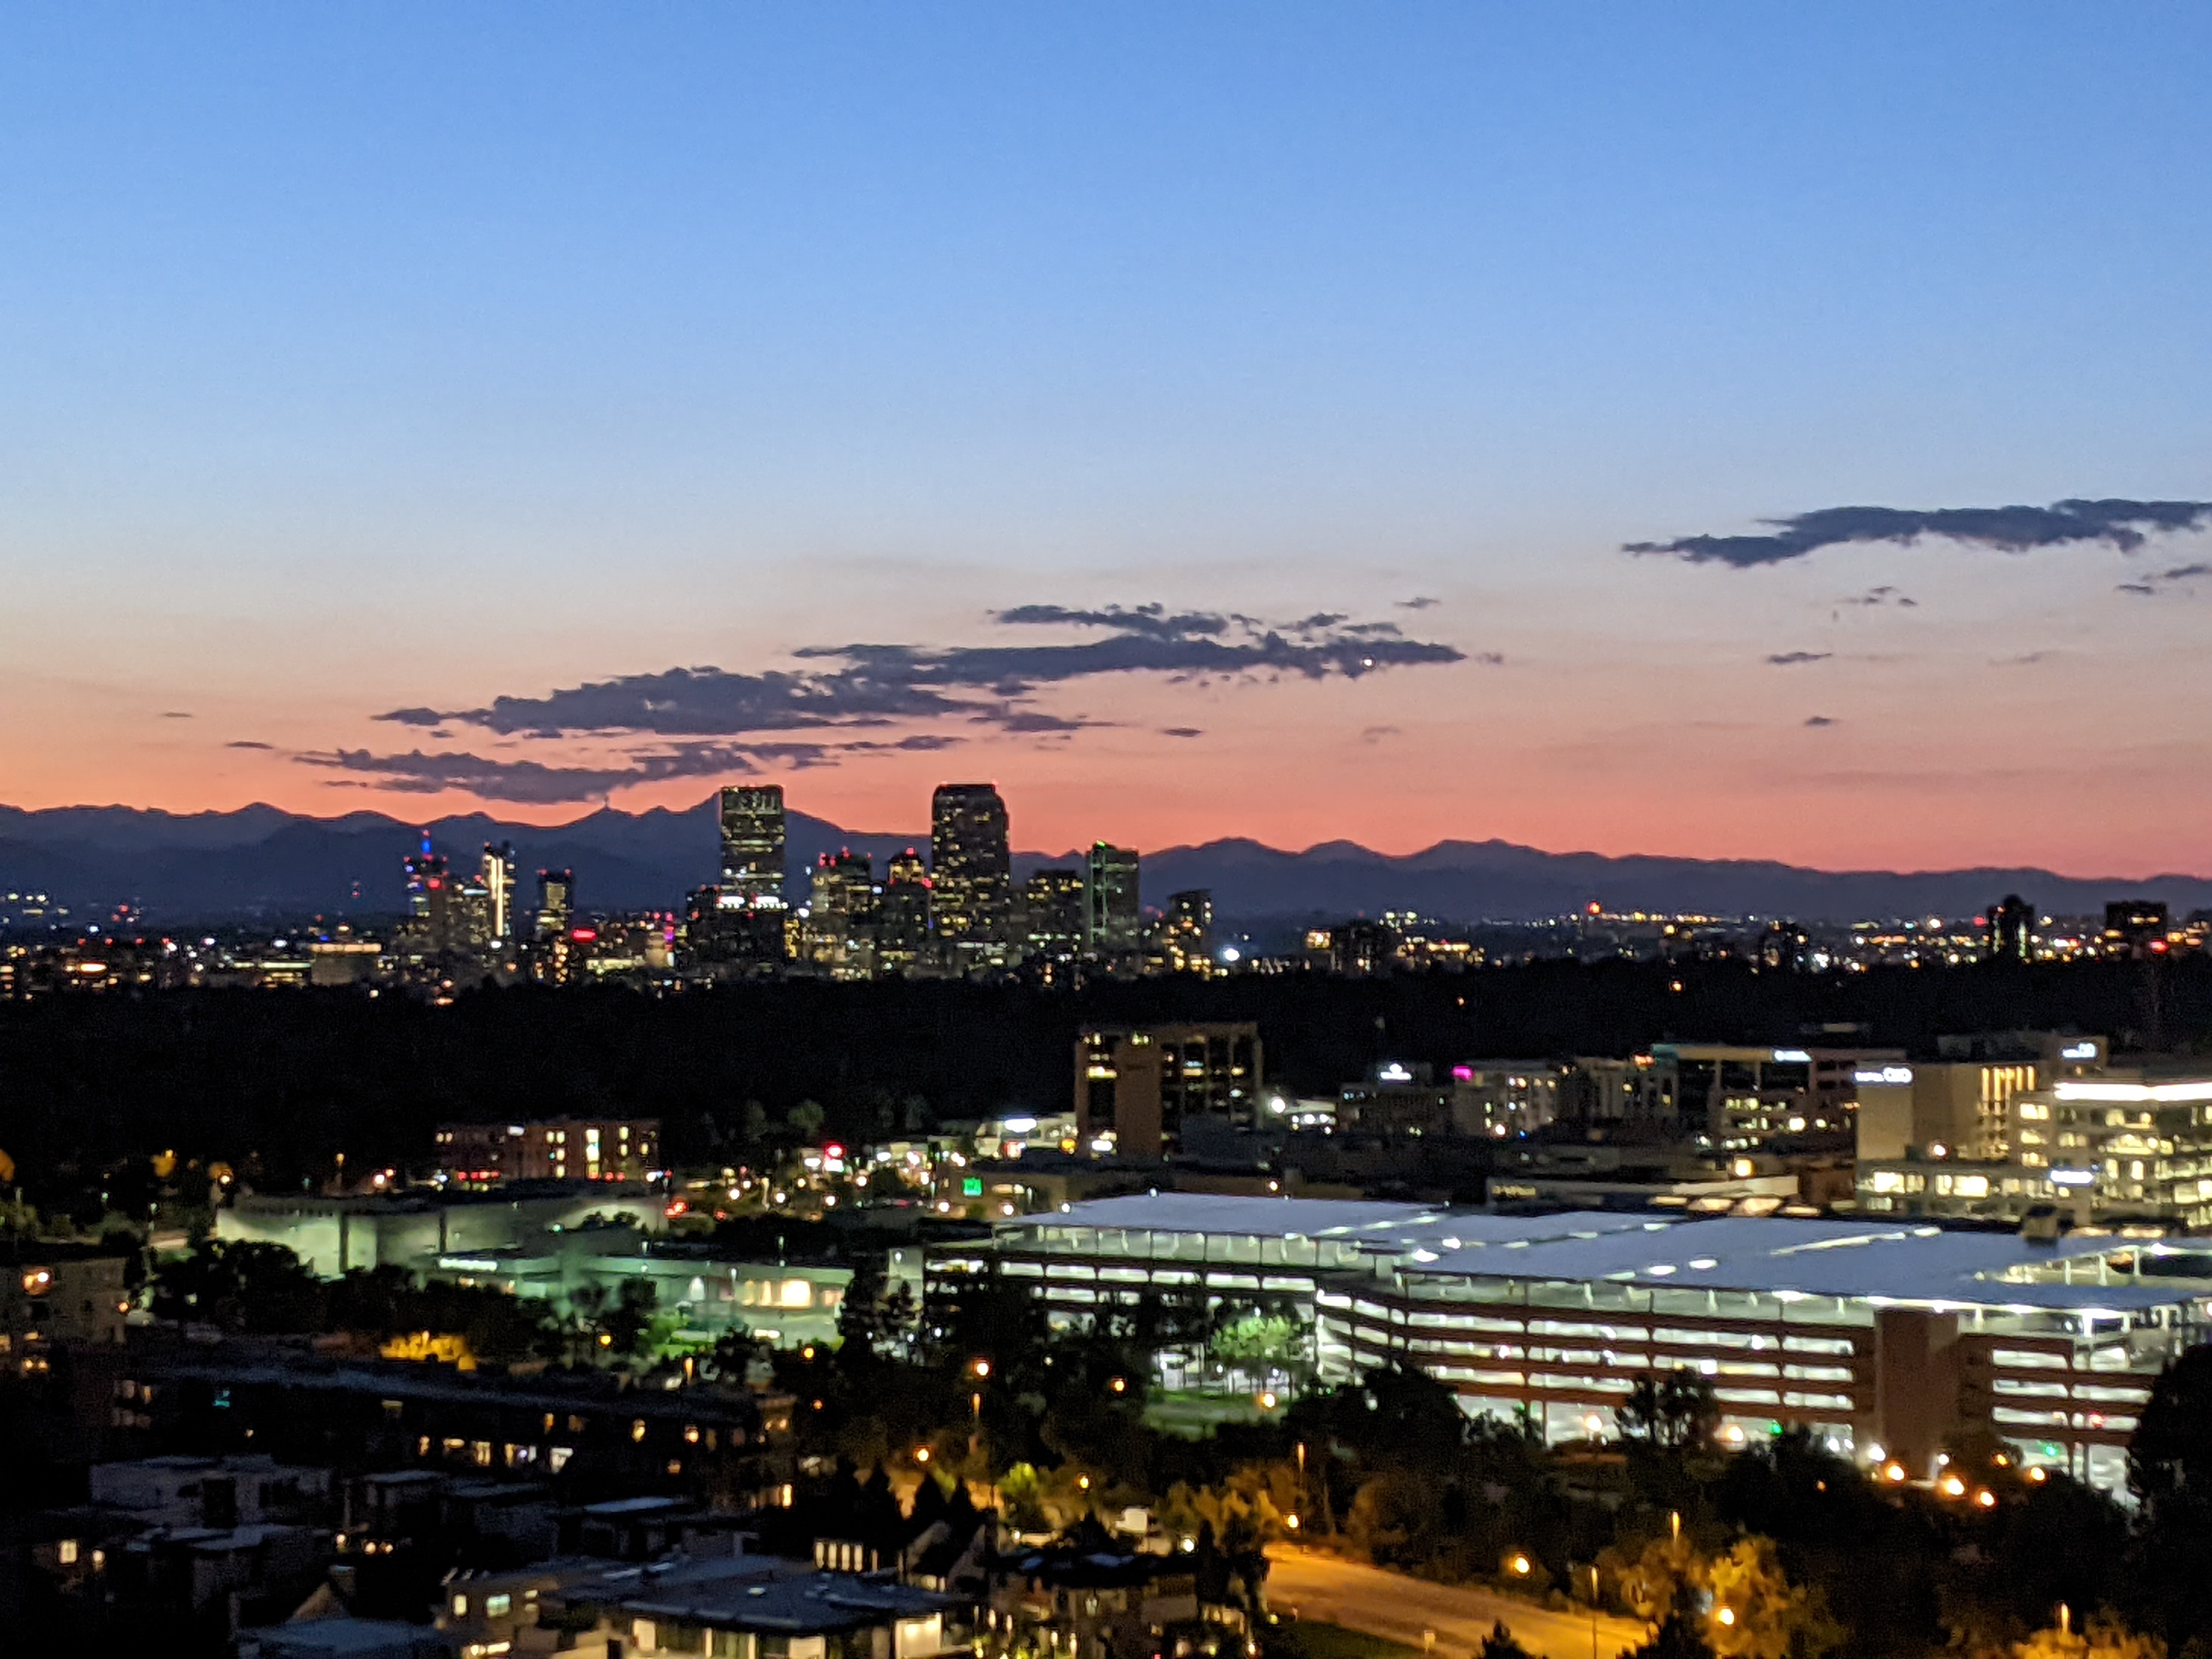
point(1389, 1604)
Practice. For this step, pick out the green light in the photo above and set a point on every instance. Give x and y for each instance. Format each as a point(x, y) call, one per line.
point(972, 1187)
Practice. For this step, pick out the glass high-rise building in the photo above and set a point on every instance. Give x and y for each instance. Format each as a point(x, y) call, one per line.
point(1052, 912)
point(752, 844)
point(1113, 920)
point(557, 902)
point(902, 913)
point(501, 877)
point(971, 874)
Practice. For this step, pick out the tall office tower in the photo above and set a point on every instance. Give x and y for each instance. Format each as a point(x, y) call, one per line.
point(1113, 920)
point(841, 915)
point(971, 874)
point(502, 875)
point(1185, 935)
point(472, 914)
point(557, 902)
point(2012, 930)
point(437, 910)
point(1052, 914)
point(902, 913)
point(426, 874)
point(752, 842)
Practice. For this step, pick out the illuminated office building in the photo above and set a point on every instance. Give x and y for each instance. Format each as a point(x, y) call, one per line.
point(557, 1149)
point(557, 902)
point(2136, 927)
point(902, 913)
point(437, 911)
point(840, 933)
point(1114, 918)
point(1054, 910)
point(971, 874)
point(1741, 1097)
point(501, 875)
point(1142, 1083)
point(752, 842)
point(1183, 941)
point(2012, 929)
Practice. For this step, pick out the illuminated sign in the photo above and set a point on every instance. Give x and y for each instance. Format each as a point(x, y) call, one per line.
point(1462, 1074)
point(1887, 1074)
point(972, 1187)
point(2078, 1051)
point(1792, 1057)
point(468, 1264)
point(2072, 1177)
point(1393, 1072)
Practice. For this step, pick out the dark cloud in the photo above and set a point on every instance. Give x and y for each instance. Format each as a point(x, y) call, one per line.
point(1876, 596)
point(1818, 720)
point(2121, 524)
point(248, 743)
point(1181, 731)
point(862, 686)
point(536, 783)
point(1792, 659)
point(1377, 733)
point(1420, 602)
point(175, 714)
point(1153, 619)
point(2151, 585)
point(1490, 659)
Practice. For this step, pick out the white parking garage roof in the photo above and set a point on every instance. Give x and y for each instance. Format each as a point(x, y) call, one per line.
point(1852, 1259)
point(1409, 1226)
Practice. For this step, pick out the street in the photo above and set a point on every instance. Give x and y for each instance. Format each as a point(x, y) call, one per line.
point(1389, 1604)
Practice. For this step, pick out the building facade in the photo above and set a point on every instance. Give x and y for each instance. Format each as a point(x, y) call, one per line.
point(1141, 1083)
point(551, 1149)
point(1884, 1338)
point(752, 825)
point(1114, 918)
point(971, 874)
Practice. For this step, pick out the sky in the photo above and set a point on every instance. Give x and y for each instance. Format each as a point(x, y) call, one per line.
point(1390, 423)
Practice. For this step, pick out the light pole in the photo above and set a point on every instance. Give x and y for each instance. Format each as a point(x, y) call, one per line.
point(1593, 1572)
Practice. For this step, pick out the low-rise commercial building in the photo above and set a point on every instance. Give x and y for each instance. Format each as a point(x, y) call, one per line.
point(333, 1235)
point(550, 1149)
point(53, 1294)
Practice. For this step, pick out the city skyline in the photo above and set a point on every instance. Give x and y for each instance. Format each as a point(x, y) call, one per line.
point(1635, 438)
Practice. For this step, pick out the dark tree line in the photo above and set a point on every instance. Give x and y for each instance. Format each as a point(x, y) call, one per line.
point(277, 1084)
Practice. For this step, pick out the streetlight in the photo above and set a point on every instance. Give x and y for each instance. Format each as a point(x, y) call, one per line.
point(1593, 1573)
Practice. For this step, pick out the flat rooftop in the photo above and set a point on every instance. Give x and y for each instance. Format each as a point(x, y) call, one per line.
point(1778, 1256)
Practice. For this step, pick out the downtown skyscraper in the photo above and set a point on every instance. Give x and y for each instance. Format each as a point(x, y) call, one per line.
point(752, 842)
point(971, 874)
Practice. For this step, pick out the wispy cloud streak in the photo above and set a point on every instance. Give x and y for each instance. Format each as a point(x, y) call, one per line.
point(2122, 524)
